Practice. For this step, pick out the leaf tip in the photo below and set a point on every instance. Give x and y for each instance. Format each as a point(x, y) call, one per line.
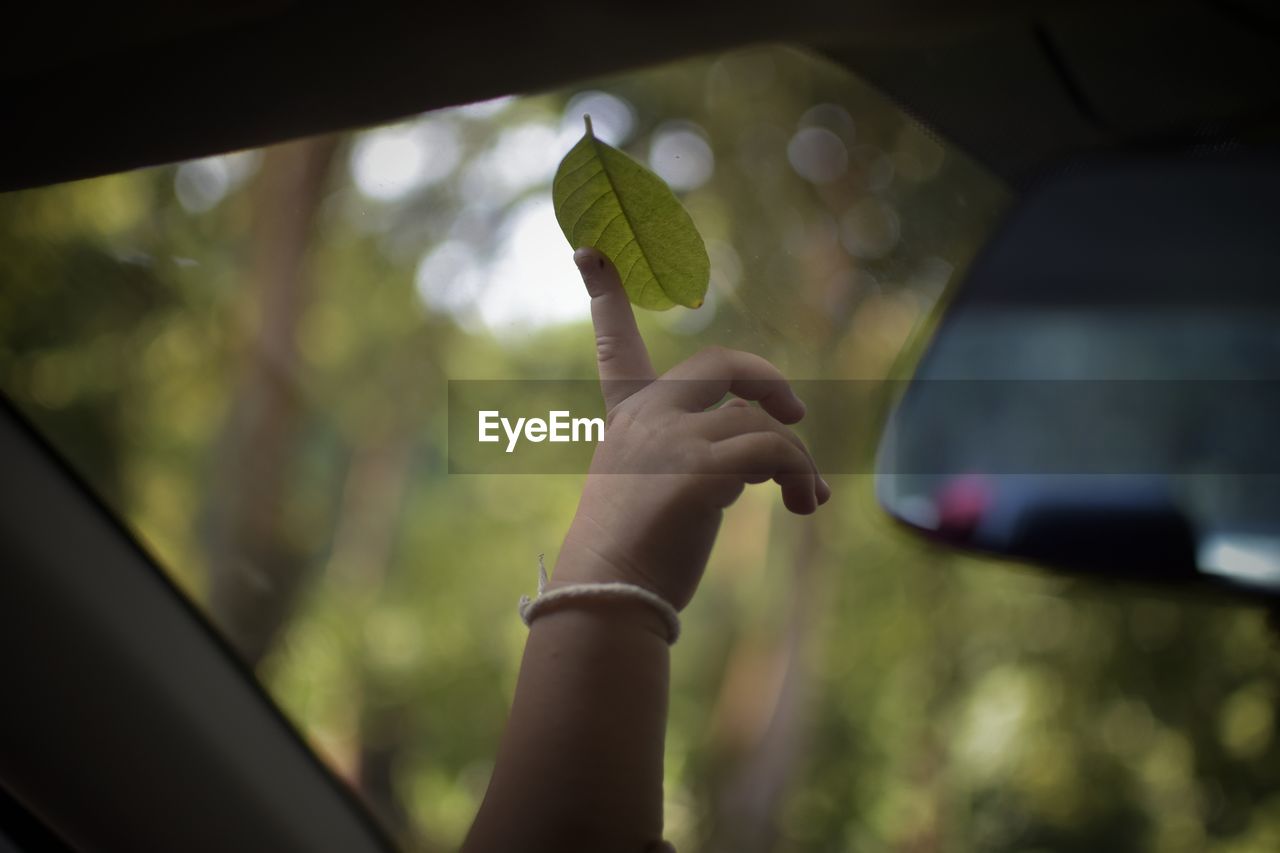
point(697, 303)
point(586, 118)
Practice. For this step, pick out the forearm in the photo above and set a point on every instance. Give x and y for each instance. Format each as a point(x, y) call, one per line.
point(580, 765)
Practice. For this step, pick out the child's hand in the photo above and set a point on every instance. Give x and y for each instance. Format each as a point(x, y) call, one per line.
point(669, 464)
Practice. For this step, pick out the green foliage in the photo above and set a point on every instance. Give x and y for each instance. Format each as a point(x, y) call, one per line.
point(838, 685)
point(607, 201)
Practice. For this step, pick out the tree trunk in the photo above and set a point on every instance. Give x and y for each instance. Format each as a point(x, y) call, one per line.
point(255, 570)
point(753, 794)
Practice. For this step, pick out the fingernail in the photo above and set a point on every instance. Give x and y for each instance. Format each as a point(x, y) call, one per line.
point(591, 264)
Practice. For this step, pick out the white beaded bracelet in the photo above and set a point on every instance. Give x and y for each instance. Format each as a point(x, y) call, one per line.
point(532, 608)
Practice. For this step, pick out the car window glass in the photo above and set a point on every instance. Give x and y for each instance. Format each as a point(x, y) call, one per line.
point(250, 357)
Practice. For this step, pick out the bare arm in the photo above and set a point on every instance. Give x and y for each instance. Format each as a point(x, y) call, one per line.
point(580, 766)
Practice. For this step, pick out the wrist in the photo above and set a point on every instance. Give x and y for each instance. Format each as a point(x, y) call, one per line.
point(616, 614)
point(585, 558)
point(575, 567)
point(637, 603)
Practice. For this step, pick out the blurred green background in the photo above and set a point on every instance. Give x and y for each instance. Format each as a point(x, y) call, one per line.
point(247, 356)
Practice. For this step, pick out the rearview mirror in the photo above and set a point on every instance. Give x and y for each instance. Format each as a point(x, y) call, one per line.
point(1102, 395)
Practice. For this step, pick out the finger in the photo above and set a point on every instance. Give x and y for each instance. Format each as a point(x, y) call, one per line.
point(620, 351)
point(705, 377)
point(730, 420)
point(737, 417)
point(760, 456)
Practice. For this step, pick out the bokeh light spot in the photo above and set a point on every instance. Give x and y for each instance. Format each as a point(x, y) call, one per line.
point(388, 163)
point(681, 156)
point(833, 117)
point(201, 184)
point(612, 118)
point(1247, 722)
point(870, 229)
point(818, 155)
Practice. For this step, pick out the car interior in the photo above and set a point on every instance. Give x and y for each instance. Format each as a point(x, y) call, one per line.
point(1092, 393)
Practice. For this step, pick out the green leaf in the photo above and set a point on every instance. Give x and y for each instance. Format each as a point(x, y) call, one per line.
point(607, 201)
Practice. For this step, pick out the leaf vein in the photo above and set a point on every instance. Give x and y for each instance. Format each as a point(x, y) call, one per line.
point(627, 244)
point(604, 168)
point(640, 257)
point(614, 219)
point(590, 207)
point(571, 195)
point(576, 169)
point(589, 179)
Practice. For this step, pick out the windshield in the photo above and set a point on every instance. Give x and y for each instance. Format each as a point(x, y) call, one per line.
point(250, 357)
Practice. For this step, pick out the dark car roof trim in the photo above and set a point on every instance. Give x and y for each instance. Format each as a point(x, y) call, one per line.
point(1016, 85)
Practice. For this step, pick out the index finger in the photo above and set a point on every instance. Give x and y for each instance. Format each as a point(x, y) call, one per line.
point(621, 355)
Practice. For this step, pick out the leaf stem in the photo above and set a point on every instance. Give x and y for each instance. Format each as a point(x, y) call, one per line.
point(587, 118)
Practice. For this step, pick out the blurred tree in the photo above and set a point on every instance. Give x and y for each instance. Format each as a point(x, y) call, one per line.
point(256, 565)
point(68, 306)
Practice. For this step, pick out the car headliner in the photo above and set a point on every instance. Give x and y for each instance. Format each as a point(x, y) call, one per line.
point(1018, 85)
